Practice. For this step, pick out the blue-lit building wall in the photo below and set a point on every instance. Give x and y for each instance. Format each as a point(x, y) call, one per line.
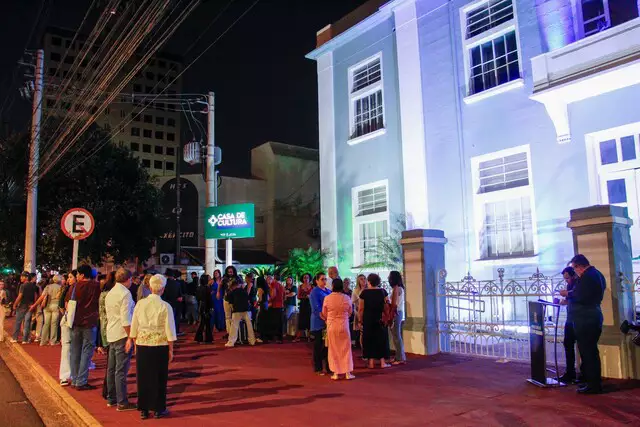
point(455, 132)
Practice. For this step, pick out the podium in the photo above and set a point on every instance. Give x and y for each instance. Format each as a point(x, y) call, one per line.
point(537, 344)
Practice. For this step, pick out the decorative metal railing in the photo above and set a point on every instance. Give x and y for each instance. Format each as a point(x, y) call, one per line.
point(490, 317)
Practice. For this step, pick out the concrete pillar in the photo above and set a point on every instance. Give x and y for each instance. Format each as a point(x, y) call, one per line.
point(601, 233)
point(423, 253)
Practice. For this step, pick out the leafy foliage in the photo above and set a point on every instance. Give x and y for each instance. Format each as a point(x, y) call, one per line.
point(111, 184)
point(308, 260)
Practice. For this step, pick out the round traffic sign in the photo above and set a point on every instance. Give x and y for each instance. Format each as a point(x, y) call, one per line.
point(77, 223)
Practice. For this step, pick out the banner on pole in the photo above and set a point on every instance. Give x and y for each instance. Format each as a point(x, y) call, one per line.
point(230, 221)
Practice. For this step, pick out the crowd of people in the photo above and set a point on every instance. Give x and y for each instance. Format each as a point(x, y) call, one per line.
point(119, 314)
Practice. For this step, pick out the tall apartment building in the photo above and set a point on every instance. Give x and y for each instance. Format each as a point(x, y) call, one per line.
point(488, 119)
point(154, 135)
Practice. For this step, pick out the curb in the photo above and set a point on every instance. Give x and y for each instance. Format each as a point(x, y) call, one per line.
point(19, 360)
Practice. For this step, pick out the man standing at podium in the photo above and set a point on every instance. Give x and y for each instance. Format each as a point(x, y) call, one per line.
point(585, 299)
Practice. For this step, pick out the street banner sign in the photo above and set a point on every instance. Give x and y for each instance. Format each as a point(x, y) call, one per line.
point(230, 221)
point(77, 223)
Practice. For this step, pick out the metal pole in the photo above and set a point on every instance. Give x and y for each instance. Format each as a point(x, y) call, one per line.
point(74, 257)
point(229, 253)
point(178, 209)
point(211, 245)
point(34, 162)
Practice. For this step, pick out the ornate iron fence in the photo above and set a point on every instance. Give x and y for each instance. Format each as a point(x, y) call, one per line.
point(490, 317)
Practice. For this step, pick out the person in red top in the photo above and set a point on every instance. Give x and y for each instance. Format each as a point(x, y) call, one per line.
point(86, 293)
point(276, 307)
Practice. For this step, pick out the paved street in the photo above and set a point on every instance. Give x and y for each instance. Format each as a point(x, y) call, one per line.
point(15, 408)
point(273, 385)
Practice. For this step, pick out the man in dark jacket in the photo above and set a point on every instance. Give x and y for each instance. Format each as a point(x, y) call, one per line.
point(240, 302)
point(173, 295)
point(585, 299)
point(85, 326)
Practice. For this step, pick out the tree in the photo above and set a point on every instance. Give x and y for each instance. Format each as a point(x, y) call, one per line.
point(308, 260)
point(109, 182)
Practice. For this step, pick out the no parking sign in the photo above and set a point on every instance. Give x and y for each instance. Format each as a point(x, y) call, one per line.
point(77, 223)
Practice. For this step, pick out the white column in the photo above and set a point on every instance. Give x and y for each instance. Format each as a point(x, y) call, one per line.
point(327, 135)
point(414, 158)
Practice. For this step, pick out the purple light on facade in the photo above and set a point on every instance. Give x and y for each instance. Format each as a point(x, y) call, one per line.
point(556, 19)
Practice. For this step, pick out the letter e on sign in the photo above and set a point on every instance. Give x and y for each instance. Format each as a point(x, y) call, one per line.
point(77, 224)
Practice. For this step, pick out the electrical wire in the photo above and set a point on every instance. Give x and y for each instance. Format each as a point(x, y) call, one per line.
point(109, 137)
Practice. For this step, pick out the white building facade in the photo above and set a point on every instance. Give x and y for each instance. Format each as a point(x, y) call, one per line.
point(489, 120)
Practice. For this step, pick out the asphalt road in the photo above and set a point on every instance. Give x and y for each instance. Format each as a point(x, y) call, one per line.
point(15, 408)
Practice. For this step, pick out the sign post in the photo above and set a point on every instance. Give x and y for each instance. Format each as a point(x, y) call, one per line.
point(77, 224)
point(230, 222)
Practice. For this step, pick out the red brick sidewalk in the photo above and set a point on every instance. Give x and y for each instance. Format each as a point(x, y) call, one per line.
point(273, 385)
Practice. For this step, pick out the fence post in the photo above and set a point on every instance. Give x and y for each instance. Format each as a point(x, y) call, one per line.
point(423, 256)
point(601, 233)
point(505, 338)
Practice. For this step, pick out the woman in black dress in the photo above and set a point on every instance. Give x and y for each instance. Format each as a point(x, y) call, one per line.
point(263, 309)
point(205, 307)
point(375, 336)
point(304, 316)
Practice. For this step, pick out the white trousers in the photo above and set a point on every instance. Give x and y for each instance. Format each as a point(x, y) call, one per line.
point(65, 353)
point(236, 318)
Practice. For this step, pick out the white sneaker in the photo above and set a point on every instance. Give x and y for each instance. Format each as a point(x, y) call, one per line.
point(13, 341)
point(229, 345)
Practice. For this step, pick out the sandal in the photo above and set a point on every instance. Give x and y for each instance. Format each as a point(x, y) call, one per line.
point(398, 362)
point(386, 365)
point(350, 376)
point(334, 377)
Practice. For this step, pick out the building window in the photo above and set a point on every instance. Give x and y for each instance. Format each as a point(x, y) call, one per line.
point(135, 116)
point(149, 75)
point(594, 16)
point(56, 41)
point(160, 121)
point(370, 221)
point(490, 40)
point(146, 163)
point(169, 166)
point(160, 105)
point(157, 164)
point(159, 134)
point(148, 118)
point(504, 204)
point(135, 131)
point(69, 59)
point(171, 136)
point(123, 114)
point(366, 101)
point(67, 43)
point(147, 133)
point(54, 56)
point(171, 151)
point(159, 149)
point(137, 88)
point(135, 146)
point(171, 123)
point(146, 148)
point(52, 71)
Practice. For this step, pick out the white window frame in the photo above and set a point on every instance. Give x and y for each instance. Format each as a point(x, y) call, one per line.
point(366, 91)
point(490, 34)
point(579, 21)
point(357, 221)
point(479, 200)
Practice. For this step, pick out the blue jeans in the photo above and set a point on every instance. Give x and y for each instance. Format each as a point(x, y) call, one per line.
point(396, 334)
point(83, 341)
point(23, 315)
point(119, 361)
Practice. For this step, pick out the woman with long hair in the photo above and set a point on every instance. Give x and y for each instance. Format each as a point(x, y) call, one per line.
point(291, 305)
point(144, 290)
point(361, 285)
point(318, 325)
point(218, 306)
point(336, 310)
point(304, 315)
point(375, 336)
point(397, 302)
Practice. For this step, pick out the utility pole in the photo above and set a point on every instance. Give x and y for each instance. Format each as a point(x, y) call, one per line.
point(34, 163)
point(211, 245)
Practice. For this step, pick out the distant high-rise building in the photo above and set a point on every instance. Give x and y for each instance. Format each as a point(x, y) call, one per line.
point(153, 135)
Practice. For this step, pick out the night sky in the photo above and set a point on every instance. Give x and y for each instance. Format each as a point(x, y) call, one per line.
point(265, 88)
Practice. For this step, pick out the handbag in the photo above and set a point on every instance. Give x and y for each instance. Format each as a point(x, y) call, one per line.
point(70, 313)
point(389, 313)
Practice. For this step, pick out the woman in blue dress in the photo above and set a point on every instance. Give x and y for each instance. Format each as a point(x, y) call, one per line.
point(218, 306)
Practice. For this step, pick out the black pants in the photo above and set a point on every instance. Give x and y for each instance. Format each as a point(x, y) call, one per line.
point(570, 348)
point(276, 315)
point(588, 332)
point(177, 314)
point(320, 352)
point(204, 327)
point(152, 368)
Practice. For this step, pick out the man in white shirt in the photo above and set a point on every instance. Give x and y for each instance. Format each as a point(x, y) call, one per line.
point(119, 307)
